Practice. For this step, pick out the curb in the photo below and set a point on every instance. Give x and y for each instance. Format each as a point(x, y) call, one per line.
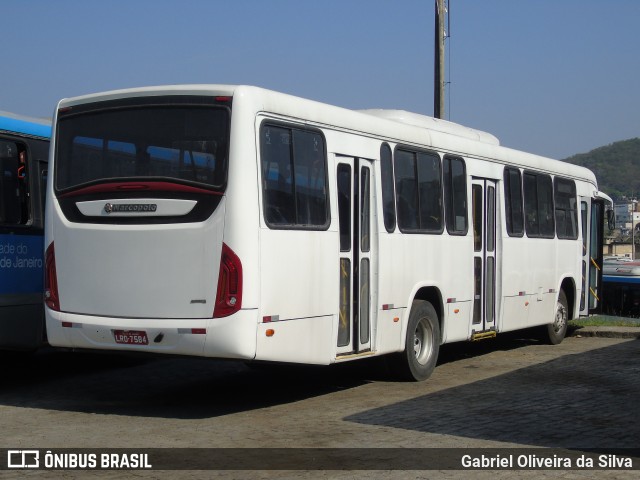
point(607, 332)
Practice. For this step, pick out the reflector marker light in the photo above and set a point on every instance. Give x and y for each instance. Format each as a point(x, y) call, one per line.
point(396, 319)
point(522, 294)
point(387, 306)
point(552, 290)
point(270, 332)
point(451, 300)
point(457, 310)
point(270, 318)
point(71, 325)
point(192, 331)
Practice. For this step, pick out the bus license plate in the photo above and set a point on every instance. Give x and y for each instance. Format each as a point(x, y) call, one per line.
point(131, 337)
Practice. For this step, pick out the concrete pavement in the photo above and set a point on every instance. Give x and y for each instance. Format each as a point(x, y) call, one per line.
point(605, 331)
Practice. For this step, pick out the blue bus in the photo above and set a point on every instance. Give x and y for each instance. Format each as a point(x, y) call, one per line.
point(24, 152)
point(621, 282)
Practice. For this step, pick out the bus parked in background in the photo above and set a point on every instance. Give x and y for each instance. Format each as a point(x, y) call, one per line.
point(237, 222)
point(621, 282)
point(24, 149)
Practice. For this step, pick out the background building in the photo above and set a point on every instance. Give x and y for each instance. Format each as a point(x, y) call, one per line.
point(627, 213)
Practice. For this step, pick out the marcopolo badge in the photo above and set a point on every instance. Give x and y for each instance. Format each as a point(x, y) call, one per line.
point(130, 208)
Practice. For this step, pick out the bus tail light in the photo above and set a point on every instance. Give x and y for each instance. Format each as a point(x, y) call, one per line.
point(229, 295)
point(51, 280)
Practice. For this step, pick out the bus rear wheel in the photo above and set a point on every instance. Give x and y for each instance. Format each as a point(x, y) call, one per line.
point(418, 360)
point(558, 329)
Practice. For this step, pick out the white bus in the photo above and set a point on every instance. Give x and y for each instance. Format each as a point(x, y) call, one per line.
point(237, 222)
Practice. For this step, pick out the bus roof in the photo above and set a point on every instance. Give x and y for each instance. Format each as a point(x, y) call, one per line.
point(431, 123)
point(23, 125)
point(391, 125)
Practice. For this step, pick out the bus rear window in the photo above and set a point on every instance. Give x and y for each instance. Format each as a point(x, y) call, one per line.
point(188, 144)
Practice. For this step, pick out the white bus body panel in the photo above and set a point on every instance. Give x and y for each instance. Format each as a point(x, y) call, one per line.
point(228, 337)
point(144, 271)
point(301, 340)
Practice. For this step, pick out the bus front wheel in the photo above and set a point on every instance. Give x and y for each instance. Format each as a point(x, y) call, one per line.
point(422, 345)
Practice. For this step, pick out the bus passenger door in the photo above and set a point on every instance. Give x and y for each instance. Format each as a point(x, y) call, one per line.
point(355, 207)
point(483, 205)
point(592, 220)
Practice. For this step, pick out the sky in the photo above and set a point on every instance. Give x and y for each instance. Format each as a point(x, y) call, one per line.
point(552, 77)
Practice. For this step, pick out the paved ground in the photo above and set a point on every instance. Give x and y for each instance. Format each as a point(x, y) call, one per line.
point(511, 392)
point(607, 331)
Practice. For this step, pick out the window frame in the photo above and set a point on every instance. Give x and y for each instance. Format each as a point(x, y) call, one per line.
point(294, 226)
point(508, 210)
point(449, 210)
point(572, 182)
point(383, 189)
point(416, 152)
point(345, 210)
point(538, 176)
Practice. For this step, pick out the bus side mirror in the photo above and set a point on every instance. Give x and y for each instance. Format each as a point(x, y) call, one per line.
point(611, 219)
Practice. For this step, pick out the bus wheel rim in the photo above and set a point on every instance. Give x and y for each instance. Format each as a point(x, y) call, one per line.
point(561, 318)
point(422, 344)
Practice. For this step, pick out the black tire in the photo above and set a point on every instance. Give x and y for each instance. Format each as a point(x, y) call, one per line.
point(558, 329)
point(417, 361)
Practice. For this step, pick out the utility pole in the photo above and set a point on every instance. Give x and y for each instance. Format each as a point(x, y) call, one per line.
point(438, 80)
point(633, 229)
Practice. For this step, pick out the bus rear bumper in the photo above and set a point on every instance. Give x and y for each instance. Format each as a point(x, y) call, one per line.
point(229, 337)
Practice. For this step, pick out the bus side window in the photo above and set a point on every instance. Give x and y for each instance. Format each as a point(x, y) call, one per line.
point(455, 194)
point(538, 205)
point(430, 192)
point(277, 176)
point(294, 178)
point(418, 191)
point(513, 202)
point(388, 200)
point(566, 206)
point(14, 191)
point(407, 197)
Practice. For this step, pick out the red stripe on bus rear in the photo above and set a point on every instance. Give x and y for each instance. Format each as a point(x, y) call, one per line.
point(119, 187)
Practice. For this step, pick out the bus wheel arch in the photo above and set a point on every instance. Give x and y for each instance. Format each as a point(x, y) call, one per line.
point(434, 297)
point(568, 286)
point(422, 338)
